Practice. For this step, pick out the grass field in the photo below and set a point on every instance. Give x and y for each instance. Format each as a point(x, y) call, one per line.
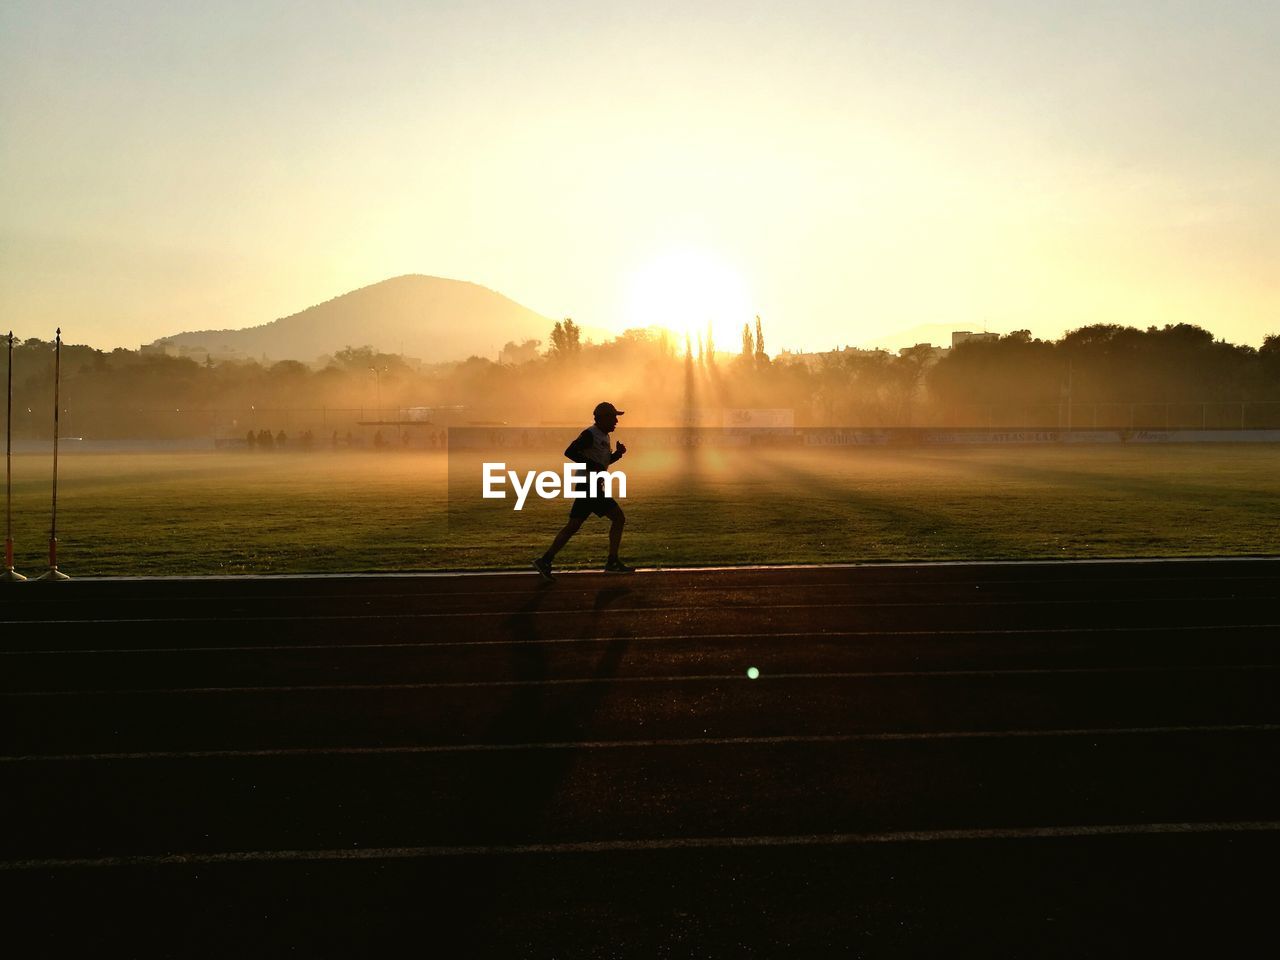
point(243, 513)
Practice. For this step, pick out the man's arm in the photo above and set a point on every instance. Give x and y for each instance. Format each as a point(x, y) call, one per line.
point(576, 451)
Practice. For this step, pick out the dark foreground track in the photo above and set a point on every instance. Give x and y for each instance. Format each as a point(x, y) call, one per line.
point(999, 760)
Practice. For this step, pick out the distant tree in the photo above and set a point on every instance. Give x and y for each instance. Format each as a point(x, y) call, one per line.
point(566, 338)
point(711, 345)
point(1269, 365)
point(910, 366)
point(760, 354)
point(748, 346)
point(356, 358)
point(289, 368)
point(515, 353)
point(1008, 377)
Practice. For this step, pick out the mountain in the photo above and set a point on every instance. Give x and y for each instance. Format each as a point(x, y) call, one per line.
point(429, 318)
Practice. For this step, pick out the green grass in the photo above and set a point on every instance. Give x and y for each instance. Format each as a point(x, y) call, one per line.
point(241, 513)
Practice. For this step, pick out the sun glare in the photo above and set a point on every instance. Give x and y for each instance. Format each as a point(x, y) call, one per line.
point(686, 289)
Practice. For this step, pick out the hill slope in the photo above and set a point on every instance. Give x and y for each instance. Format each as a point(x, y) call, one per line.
point(431, 318)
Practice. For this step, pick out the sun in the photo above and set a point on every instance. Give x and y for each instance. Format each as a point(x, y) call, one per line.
point(686, 288)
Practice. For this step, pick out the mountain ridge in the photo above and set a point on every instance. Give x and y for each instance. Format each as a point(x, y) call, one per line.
point(435, 319)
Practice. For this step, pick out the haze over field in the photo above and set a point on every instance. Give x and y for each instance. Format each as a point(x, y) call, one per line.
point(847, 171)
point(256, 513)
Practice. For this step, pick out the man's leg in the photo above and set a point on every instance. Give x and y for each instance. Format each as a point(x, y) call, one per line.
point(543, 563)
point(618, 520)
point(562, 537)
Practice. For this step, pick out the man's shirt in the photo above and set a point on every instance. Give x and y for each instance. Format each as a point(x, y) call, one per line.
point(593, 447)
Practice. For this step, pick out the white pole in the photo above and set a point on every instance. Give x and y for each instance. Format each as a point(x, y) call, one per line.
point(9, 573)
point(54, 573)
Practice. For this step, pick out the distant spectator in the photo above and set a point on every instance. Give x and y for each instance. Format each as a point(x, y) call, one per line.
point(264, 440)
point(251, 439)
point(281, 440)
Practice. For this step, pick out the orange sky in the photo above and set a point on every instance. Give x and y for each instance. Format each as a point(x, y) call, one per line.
point(849, 171)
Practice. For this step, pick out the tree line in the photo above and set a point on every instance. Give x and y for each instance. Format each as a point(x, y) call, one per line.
point(130, 394)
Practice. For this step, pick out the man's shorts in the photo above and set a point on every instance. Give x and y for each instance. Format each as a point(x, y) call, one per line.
point(584, 507)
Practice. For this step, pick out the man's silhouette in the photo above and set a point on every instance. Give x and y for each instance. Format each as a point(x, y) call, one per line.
point(593, 448)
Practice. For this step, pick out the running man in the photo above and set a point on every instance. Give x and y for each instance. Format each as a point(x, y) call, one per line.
point(593, 448)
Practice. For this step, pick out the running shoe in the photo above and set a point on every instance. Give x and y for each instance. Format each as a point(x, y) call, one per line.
point(543, 566)
point(617, 566)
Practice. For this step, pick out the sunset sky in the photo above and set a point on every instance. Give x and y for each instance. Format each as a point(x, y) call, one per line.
point(850, 170)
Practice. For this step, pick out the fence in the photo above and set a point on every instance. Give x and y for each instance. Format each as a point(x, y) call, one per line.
point(223, 427)
point(1205, 415)
point(418, 428)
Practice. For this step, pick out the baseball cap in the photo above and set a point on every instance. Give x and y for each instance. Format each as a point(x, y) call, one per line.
point(603, 409)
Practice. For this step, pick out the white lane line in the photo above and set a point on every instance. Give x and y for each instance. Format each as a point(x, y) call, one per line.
point(682, 678)
point(227, 754)
point(769, 635)
point(712, 605)
point(890, 565)
point(442, 576)
point(656, 844)
point(574, 588)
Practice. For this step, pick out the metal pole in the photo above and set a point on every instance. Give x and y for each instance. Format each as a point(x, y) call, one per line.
point(54, 573)
point(9, 573)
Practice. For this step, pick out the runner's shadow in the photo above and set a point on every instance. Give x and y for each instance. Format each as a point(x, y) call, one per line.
point(607, 596)
point(555, 697)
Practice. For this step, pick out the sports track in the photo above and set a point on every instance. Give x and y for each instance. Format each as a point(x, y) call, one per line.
point(1073, 759)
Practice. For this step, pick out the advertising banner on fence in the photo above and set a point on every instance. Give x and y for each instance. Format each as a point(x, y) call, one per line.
point(756, 418)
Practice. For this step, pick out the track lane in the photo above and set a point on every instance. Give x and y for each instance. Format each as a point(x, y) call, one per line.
point(644, 793)
point(505, 660)
point(610, 707)
point(913, 759)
